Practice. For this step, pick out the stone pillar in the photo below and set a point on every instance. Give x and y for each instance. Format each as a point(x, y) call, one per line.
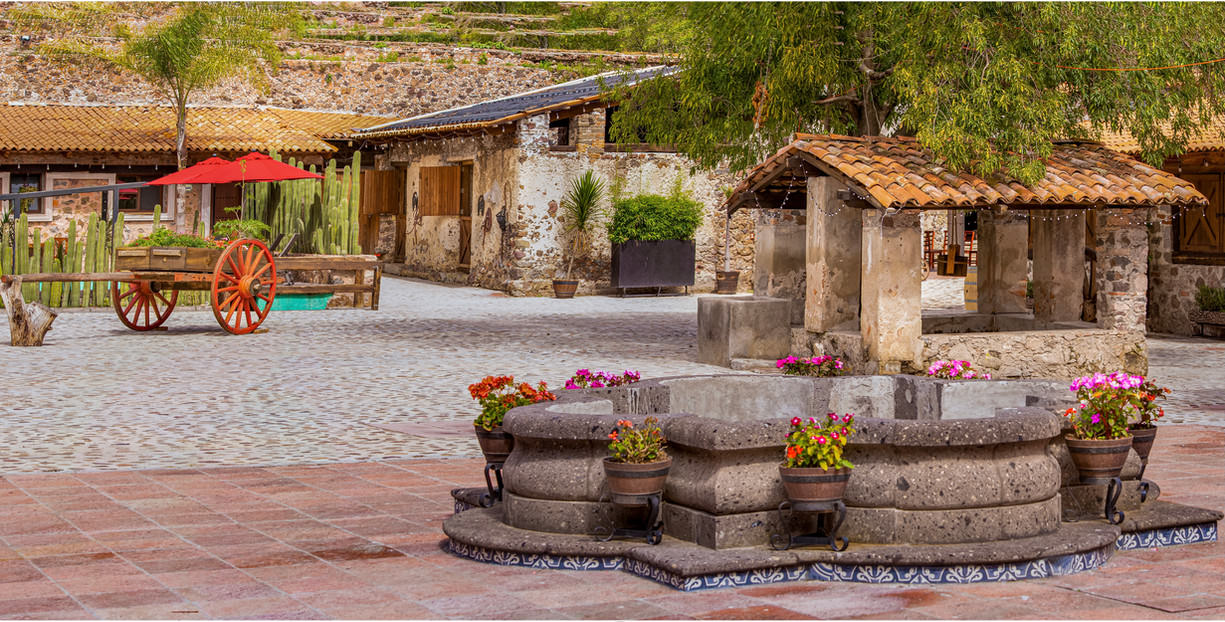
point(891, 291)
point(1122, 269)
point(1059, 266)
point(589, 133)
point(778, 268)
point(1003, 267)
point(831, 301)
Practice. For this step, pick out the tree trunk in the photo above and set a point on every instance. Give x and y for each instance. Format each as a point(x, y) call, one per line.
point(28, 323)
point(180, 136)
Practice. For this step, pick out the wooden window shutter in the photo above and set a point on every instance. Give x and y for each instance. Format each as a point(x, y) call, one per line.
point(1199, 230)
point(440, 190)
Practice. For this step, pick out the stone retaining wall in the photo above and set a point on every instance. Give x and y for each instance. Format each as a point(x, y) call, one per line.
point(1172, 286)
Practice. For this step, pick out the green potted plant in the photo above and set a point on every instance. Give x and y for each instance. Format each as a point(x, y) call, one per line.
point(652, 240)
point(581, 208)
point(1211, 303)
point(1100, 440)
point(1144, 429)
point(496, 395)
point(638, 464)
point(823, 366)
point(814, 470)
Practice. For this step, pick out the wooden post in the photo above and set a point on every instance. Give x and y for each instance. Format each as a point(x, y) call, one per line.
point(28, 323)
point(378, 287)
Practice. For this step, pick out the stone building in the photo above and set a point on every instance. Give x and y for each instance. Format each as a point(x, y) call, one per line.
point(1186, 245)
point(859, 294)
point(483, 184)
point(53, 147)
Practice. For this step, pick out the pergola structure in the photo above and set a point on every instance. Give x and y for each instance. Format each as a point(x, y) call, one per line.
point(862, 293)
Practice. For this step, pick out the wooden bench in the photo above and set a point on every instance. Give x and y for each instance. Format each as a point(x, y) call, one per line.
point(355, 264)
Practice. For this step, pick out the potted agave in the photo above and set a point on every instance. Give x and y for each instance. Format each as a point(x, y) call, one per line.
point(1144, 429)
point(815, 470)
point(1100, 439)
point(638, 465)
point(496, 395)
point(581, 208)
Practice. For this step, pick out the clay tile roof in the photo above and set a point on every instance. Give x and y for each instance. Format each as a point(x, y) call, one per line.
point(1210, 137)
point(33, 128)
point(899, 173)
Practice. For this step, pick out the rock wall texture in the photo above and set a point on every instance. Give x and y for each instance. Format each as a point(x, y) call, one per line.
point(314, 75)
point(517, 171)
point(1172, 286)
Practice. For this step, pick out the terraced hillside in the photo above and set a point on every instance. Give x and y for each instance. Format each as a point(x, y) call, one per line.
point(376, 58)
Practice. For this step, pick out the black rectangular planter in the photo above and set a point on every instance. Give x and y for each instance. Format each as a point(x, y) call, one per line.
point(663, 263)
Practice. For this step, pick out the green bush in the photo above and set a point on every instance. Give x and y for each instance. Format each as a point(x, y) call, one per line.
point(650, 217)
point(1210, 298)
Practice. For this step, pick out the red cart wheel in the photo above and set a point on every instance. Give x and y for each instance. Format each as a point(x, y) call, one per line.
point(140, 306)
point(244, 278)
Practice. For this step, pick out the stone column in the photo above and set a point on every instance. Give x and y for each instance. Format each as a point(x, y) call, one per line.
point(1003, 237)
point(778, 267)
point(1059, 265)
point(1122, 269)
point(891, 291)
point(832, 253)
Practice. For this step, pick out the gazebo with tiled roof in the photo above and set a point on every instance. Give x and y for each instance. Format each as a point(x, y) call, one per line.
point(862, 298)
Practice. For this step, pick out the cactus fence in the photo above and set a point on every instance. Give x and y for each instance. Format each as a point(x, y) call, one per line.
point(323, 215)
point(27, 252)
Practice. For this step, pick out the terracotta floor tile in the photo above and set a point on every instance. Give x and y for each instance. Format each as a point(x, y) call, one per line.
point(20, 607)
point(247, 588)
point(18, 571)
point(163, 611)
point(306, 578)
point(404, 610)
point(192, 578)
point(1179, 604)
point(108, 583)
point(134, 598)
point(616, 610)
point(112, 566)
point(757, 612)
point(172, 564)
point(38, 588)
point(61, 561)
point(475, 605)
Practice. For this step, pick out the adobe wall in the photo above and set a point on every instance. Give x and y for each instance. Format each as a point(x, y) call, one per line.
point(544, 175)
point(1172, 286)
point(431, 243)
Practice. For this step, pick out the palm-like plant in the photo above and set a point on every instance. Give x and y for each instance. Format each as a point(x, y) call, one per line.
point(581, 206)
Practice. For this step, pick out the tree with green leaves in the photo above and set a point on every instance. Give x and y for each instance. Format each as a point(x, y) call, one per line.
point(986, 86)
point(180, 51)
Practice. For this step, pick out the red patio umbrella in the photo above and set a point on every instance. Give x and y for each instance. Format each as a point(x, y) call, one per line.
point(256, 166)
point(191, 174)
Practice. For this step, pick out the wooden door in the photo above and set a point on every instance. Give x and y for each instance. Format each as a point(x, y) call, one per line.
point(465, 217)
point(1200, 229)
point(225, 195)
point(382, 196)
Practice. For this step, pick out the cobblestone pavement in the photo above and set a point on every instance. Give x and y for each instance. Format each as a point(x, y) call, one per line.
point(317, 385)
point(312, 388)
point(363, 541)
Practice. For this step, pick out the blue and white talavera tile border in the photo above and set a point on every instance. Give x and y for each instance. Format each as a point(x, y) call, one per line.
point(825, 571)
point(1188, 534)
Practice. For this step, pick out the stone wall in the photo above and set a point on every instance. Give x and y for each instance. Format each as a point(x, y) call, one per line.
point(429, 78)
point(431, 244)
point(1172, 286)
point(61, 210)
point(544, 175)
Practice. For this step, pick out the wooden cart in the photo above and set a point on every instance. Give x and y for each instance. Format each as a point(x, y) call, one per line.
point(241, 279)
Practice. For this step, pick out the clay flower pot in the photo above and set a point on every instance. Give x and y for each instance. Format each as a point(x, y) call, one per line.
point(496, 444)
point(1142, 440)
point(1098, 460)
point(564, 288)
point(813, 485)
point(726, 281)
point(636, 479)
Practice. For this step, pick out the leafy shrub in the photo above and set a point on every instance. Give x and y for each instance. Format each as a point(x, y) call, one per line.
point(162, 236)
point(651, 217)
point(1210, 298)
point(241, 228)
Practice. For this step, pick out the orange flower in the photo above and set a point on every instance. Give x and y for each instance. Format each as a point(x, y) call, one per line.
point(613, 435)
point(625, 423)
point(793, 451)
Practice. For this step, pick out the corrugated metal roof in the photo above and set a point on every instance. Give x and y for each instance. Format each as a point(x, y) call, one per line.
point(899, 173)
point(493, 112)
point(34, 128)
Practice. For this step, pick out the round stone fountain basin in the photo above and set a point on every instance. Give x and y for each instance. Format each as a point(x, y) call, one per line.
point(936, 462)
